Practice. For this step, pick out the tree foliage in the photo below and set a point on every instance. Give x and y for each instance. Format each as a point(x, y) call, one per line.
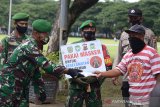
point(45, 9)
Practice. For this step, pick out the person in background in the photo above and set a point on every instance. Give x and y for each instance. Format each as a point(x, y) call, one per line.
point(135, 17)
point(142, 66)
point(87, 88)
point(18, 36)
point(22, 63)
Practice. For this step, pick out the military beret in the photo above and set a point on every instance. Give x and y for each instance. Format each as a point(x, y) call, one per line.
point(41, 25)
point(89, 23)
point(136, 29)
point(20, 16)
point(135, 12)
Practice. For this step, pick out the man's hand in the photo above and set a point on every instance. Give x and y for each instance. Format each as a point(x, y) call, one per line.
point(98, 74)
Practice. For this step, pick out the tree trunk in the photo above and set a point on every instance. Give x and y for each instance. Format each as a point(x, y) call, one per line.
point(53, 44)
point(78, 7)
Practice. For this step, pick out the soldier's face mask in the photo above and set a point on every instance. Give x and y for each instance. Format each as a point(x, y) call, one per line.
point(136, 44)
point(44, 38)
point(89, 33)
point(135, 20)
point(22, 26)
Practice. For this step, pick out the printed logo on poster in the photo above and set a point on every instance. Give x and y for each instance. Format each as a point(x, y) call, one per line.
point(87, 56)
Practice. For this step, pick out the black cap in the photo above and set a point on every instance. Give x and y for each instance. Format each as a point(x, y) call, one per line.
point(136, 29)
point(134, 12)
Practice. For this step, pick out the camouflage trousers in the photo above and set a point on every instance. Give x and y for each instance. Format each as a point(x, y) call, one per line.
point(78, 94)
point(14, 93)
point(9, 101)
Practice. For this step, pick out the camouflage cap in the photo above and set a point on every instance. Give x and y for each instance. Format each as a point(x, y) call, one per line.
point(89, 23)
point(136, 29)
point(135, 12)
point(20, 16)
point(41, 25)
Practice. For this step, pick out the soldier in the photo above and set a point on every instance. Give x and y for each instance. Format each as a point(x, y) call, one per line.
point(8, 45)
point(135, 17)
point(18, 36)
point(78, 91)
point(20, 67)
point(141, 63)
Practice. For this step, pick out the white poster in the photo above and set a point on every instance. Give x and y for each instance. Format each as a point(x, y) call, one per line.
point(87, 56)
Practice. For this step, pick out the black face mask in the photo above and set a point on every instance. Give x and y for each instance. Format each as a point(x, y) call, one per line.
point(89, 35)
point(135, 22)
point(136, 44)
point(21, 29)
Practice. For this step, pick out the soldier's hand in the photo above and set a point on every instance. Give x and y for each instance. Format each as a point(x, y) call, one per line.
point(74, 73)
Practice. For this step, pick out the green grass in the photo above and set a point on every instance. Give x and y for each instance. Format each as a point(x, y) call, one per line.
point(2, 36)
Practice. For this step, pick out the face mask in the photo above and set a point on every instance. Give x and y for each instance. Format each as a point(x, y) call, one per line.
point(45, 40)
point(21, 29)
point(89, 35)
point(136, 44)
point(135, 22)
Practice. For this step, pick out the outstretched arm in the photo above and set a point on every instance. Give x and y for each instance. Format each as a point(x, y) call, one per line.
point(109, 74)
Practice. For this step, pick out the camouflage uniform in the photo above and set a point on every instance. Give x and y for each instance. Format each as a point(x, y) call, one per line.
point(123, 48)
point(9, 44)
point(78, 93)
point(19, 70)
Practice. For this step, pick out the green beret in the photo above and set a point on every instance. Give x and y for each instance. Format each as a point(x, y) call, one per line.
point(41, 25)
point(20, 16)
point(89, 23)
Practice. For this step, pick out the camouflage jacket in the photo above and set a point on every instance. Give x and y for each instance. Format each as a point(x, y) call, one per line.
point(9, 43)
point(124, 46)
point(20, 69)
